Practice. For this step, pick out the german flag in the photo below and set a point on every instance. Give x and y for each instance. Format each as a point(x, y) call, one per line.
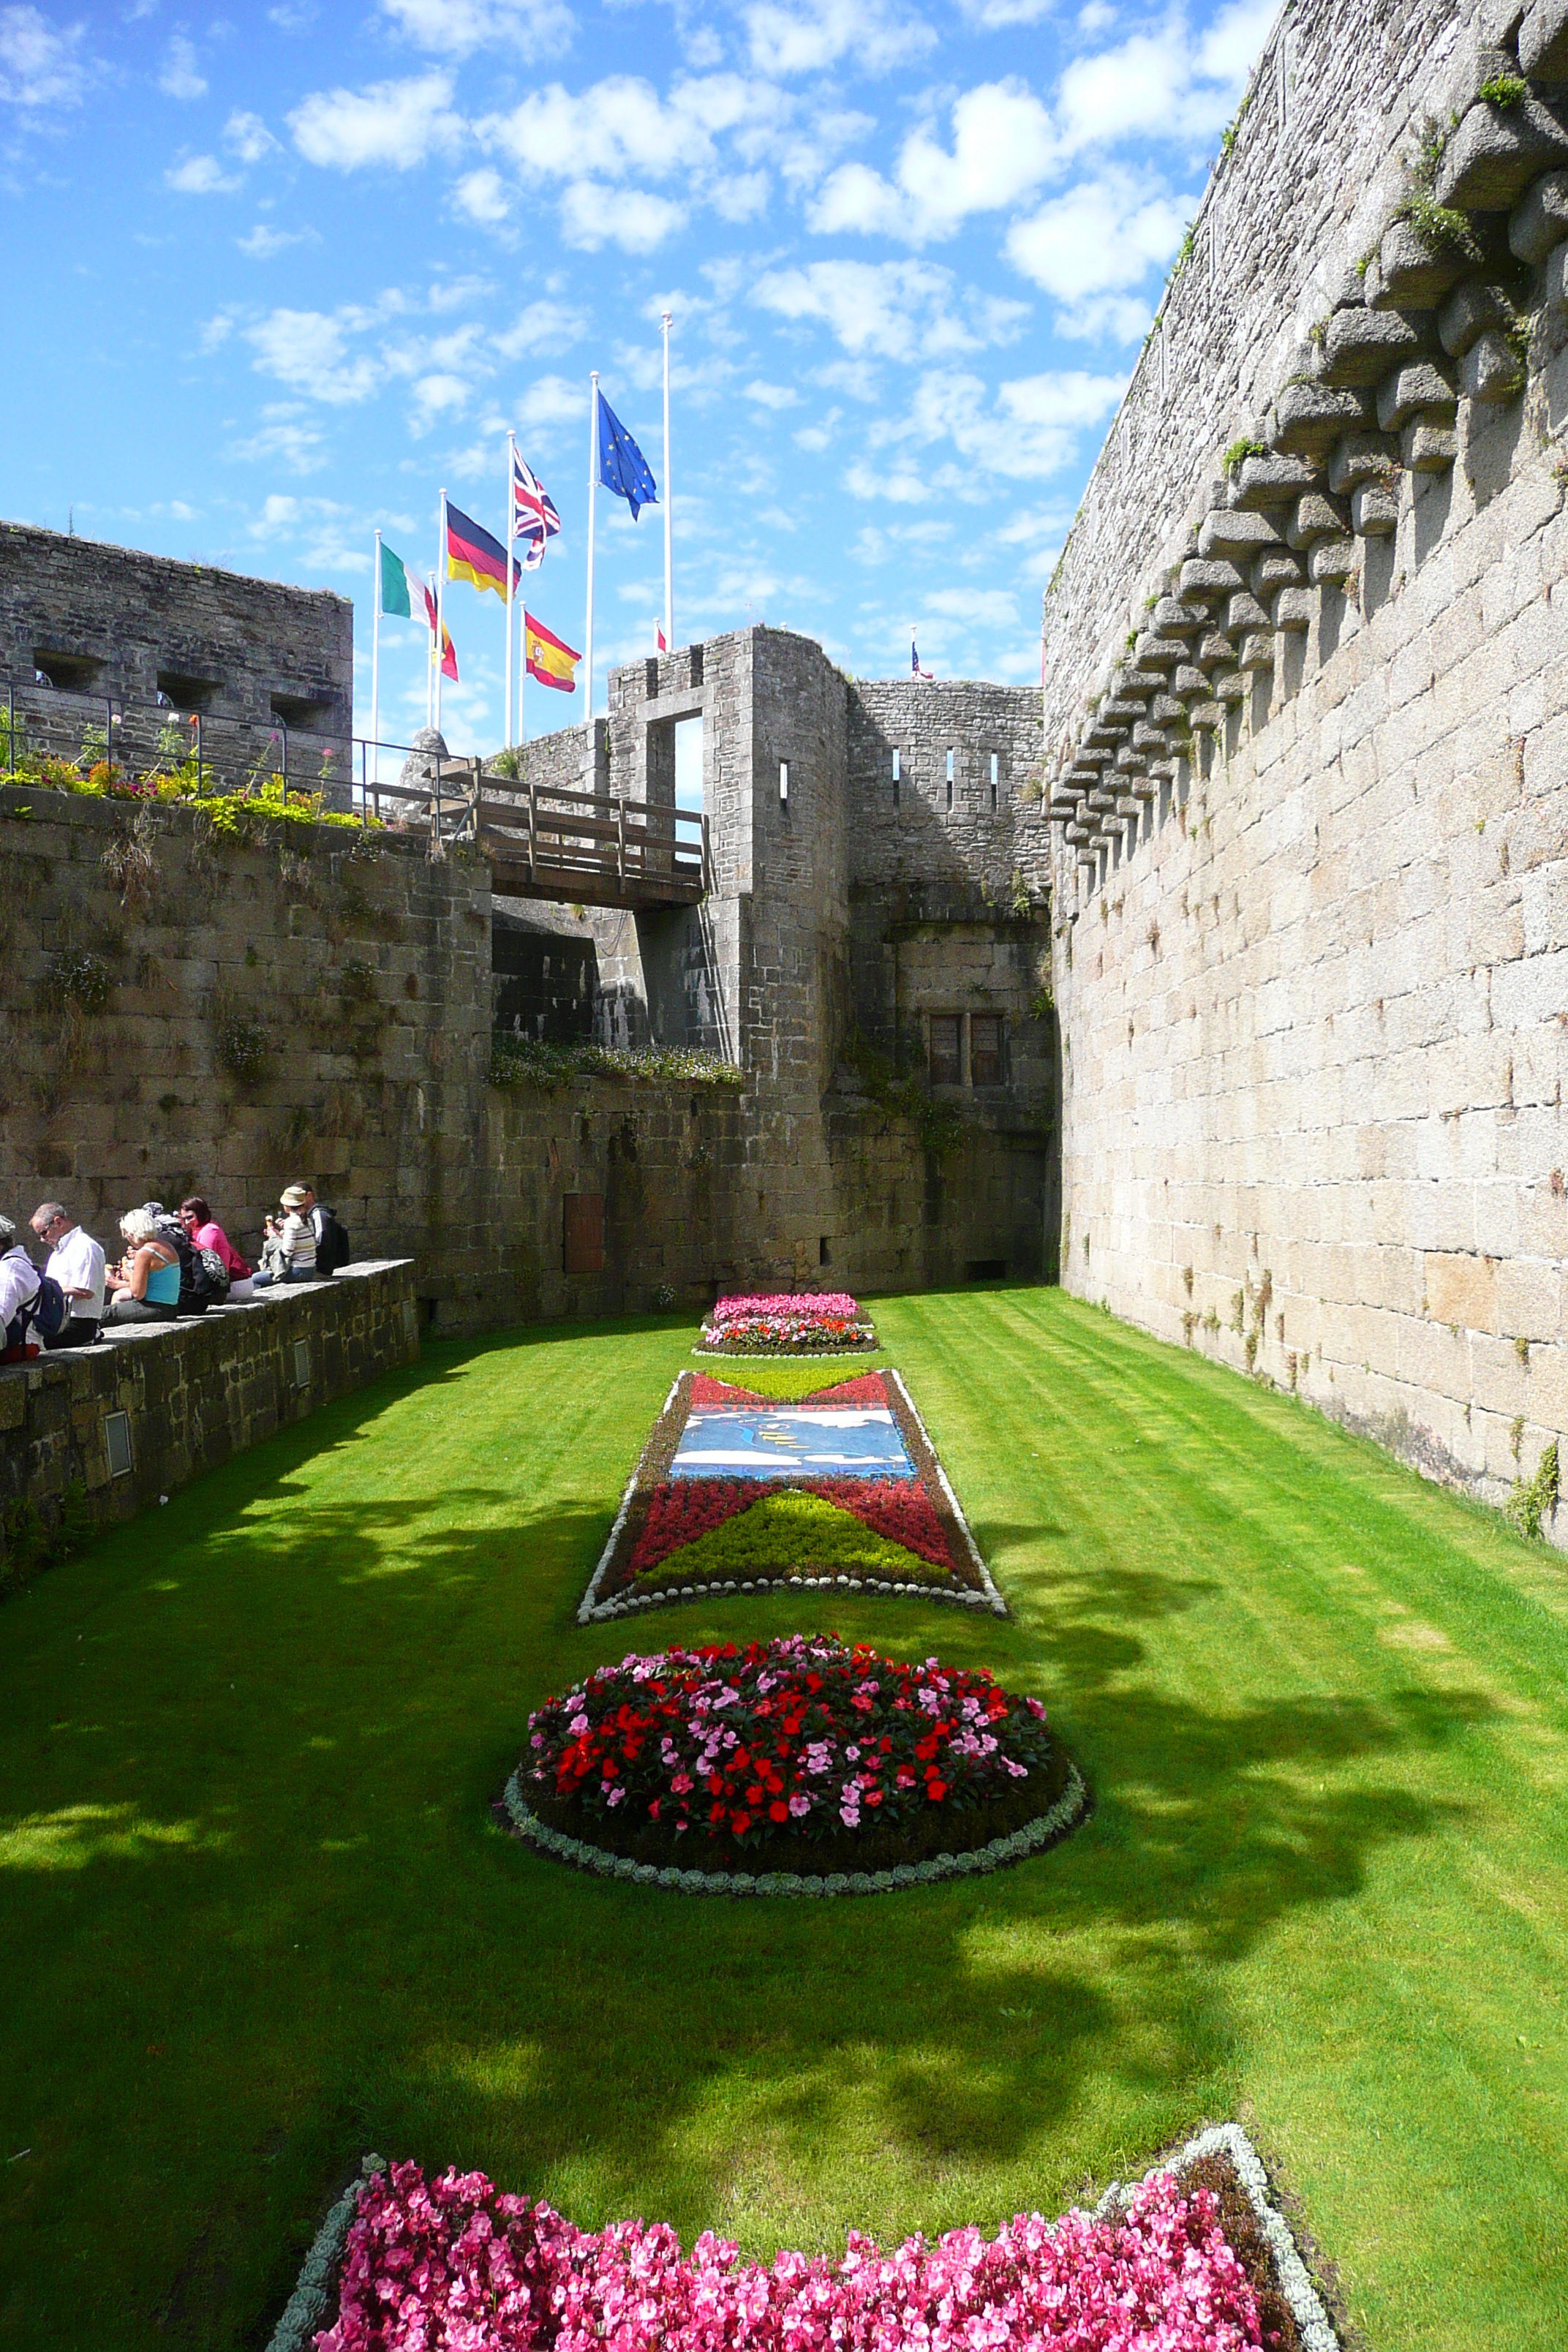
point(474, 556)
point(550, 660)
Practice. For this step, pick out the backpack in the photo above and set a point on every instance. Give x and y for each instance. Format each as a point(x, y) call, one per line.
point(209, 1277)
point(204, 1277)
point(46, 1312)
point(334, 1247)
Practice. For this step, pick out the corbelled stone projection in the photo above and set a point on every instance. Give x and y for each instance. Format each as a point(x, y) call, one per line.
point(1307, 730)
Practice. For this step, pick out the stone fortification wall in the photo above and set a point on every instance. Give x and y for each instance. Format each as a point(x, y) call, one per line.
point(1311, 937)
point(187, 1396)
point(106, 624)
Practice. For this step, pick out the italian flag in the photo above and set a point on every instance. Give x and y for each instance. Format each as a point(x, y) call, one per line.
point(403, 593)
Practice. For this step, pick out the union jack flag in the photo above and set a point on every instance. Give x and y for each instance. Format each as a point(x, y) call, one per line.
point(534, 518)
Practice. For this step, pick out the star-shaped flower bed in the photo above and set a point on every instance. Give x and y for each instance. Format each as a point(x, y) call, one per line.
point(739, 1492)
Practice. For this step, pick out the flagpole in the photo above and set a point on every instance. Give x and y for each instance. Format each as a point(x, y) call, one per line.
point(510, 518)
point(668, 503)
point(522, 677)
point(440, 608)
point(593, 478)
point(375, 669)
point(429, 673)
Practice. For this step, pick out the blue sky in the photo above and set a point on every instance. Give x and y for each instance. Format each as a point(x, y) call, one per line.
point(277, 277)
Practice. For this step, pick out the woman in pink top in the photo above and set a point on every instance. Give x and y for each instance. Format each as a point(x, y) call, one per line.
point(207, 1233)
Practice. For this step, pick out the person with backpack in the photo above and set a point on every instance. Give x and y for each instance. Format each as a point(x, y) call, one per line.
point(204, 1277)
point(76, 1263)
point(20, 1284)
point(333, 1248)
point(204, 1233)
point(147, 1279)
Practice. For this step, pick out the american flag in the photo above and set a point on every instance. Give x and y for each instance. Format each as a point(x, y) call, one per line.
point(915, 661)
point(534, 518)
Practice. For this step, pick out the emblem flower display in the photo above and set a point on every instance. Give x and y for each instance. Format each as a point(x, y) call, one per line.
point(787, 1741)
point(452, 2262)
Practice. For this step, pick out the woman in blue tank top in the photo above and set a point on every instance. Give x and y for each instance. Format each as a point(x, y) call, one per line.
point(147, 1279)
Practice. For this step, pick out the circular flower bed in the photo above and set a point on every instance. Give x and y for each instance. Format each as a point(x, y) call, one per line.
point(798, 1758)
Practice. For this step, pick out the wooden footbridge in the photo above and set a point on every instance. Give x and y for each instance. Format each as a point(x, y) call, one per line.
point(588, 849)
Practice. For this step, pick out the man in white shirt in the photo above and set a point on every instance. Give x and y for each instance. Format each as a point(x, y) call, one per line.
point(76, 1262)
point(18, 1288)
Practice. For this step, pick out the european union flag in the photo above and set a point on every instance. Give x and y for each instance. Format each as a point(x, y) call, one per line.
point(622, 466)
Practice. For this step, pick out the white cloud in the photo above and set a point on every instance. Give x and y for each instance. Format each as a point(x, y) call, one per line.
point(264, 243)
point(553, 400)
point(199, 175)
point(542, 330)
point(1030, 431)
point(310, 351)
point(1004, 145)
point(397, 123)
point(981, 608)
point(455, 29)
point(816, 437)
point(592, 215)
point(248, 136)
point(41, 63)
point(179, 76)
point(483, 195)
point(1164, 84)
point(620, 127)
point(288, 435)
point(771, 395)
point(1089, 247)
point(891, 310)
point(807, 40)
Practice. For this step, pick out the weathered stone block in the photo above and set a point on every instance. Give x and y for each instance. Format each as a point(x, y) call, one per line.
point(1203, 580)
point(1276, 569)
point(1244, 612)
point(1274, 481)
point(1407, 271)
point(1234, 533)
point(1374, 510)
point(1496, 152)
point(1422, 387)
point(1294, 608)
point(1256, 651)
point(1360, 458)
point(1461, 1289)
point(1540, 220)
point(1362, 345)
point(1172, 618)
point(1307, 417)
point(1543, 41)
point(1491, 371)
point(1332, 559)
point(1317, 517)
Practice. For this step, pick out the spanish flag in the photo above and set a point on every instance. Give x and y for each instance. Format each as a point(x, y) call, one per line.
point(473, 555)
point(550, 660)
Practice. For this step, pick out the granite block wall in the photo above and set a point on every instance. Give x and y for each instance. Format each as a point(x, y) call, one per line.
point(191, 1393)
point(1313, 982)
point(106, 624)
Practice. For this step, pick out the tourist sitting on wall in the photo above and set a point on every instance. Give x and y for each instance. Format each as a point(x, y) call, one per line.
point(19, 1288)
point(76, 1263)
point(204, 1232)
point(147, 1279)
point(289, 1253)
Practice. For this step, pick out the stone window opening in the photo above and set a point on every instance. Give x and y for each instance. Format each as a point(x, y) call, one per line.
point(995, 773)
point(67, 673)
point(898, 775)
point(823, 1253)
point(784, 784)
point(985, 1049)
point(950, 781)
point(945, 1049)
point(182, 692)
point(311, 713)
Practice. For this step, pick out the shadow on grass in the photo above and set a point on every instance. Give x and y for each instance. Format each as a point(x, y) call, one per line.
point(473, 2003)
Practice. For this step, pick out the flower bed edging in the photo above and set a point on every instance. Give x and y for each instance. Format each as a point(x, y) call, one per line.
point(308, 2308)
point(591, 1609)
point(1318, 2332)
point(1048, 1829)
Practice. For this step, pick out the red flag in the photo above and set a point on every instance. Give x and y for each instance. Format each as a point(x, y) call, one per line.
point(448, 655)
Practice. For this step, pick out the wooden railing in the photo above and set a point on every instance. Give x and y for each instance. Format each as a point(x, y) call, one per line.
point(546, 842)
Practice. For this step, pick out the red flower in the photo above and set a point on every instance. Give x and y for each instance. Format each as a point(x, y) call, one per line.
point(778, 1812)
point(936, 1791)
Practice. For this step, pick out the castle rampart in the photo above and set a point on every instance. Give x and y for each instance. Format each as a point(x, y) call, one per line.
point(1307, 764)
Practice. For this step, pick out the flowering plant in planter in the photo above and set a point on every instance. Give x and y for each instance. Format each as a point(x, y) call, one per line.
point(804, 1746)
point(791, 1323)
point(450, 2262)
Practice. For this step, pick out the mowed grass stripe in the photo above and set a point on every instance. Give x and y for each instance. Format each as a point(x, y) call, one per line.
point(245, 1829)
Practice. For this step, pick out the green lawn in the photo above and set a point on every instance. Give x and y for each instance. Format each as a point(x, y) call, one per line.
point(254, 1917)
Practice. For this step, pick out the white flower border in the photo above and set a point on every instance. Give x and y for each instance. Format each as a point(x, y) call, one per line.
point(310, 2307)
point(1065, 1813)
point(592, 1610)
point(1317, 2329)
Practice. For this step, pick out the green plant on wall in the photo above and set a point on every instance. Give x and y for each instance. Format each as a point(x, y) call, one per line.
point(80, 978)
point(527, 1062)
point(1533, 1499)
point(941, 1128)
point(243, 1048)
